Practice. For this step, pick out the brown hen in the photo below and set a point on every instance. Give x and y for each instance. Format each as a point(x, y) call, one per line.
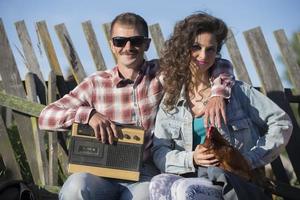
point(230, 158)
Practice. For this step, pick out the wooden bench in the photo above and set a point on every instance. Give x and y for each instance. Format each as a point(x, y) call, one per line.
point(22, 101)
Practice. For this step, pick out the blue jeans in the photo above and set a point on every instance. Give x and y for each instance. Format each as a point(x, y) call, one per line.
point(85, 186)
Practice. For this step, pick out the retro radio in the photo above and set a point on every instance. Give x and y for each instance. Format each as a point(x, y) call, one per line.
point(120, 160)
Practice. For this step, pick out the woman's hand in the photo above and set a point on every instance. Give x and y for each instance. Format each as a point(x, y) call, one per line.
point(203, 157)
point(214, 111)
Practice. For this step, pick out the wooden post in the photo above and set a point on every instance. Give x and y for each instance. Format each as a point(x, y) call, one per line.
point(274, 89)
point(236, 57)
point(158, 38)
point(6, 112)
point(51, 56)
point(37, 134)
point(13, 85)
point(31, 60)
point(94, 46)
point(21, 105)
point(8, 117)
point(53, 142)
point(70, 52)
point(289, 58)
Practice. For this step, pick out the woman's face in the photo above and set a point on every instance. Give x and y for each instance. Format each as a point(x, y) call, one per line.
point(203, 52)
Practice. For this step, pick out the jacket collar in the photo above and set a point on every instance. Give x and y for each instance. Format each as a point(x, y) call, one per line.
point(182, 97)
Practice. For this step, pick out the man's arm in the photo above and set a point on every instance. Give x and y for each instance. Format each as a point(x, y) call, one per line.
point(73, 107)
point(222, 80)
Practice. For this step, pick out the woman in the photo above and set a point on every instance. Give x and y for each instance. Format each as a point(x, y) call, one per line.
point(256, 126)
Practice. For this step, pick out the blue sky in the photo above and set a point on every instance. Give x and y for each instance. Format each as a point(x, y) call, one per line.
point(239, 15)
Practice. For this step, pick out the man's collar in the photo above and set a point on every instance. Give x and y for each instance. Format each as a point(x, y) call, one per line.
point(120, 81)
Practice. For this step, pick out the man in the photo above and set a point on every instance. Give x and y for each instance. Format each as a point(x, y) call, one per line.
point(129, 93)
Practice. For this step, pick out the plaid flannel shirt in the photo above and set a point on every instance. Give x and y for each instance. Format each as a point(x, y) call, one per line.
point(121, 100)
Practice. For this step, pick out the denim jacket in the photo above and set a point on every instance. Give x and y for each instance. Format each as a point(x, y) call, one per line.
point(256, 126)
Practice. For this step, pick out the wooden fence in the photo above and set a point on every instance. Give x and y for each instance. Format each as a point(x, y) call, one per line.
point(26, 98)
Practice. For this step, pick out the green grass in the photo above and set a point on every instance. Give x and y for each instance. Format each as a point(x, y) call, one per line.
point(19, 153)
point(21, 158)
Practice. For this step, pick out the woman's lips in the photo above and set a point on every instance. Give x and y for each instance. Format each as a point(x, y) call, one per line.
point(201, 62)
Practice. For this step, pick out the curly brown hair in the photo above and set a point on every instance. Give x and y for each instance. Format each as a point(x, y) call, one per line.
point(176, 55)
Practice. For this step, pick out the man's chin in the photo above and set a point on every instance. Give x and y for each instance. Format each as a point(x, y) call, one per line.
point(132, 63)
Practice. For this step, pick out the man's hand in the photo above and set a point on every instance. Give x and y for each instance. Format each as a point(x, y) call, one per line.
point(104, 128)
point(214, 110)
point(202, 157)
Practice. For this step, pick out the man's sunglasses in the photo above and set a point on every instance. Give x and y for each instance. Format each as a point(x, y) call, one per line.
point(136, 41)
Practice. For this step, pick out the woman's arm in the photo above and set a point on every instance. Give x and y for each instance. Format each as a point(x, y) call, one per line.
point(167, 155)
point(265, 113)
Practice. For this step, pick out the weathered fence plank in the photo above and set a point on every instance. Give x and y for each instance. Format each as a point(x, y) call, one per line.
point(70, 52)
point(106, 30)
point(289, 58)
point(8, 116)
point(94, 46)
point(7, 154)
point(13, 85)
point(254, 40)
point(274, 89)
point(38, 135)
point(20, 104)
point(53, 146)
point(31, 59)
point(51, 56)
point(63, 159)
point(236, 58)
point(6, 112)
point(158, 38)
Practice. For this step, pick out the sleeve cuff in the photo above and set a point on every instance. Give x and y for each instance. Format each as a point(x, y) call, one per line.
point(83, 114)
point(220, 91)
point(190, 161)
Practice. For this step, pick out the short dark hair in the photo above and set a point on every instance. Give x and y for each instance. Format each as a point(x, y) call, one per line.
point(131, 19)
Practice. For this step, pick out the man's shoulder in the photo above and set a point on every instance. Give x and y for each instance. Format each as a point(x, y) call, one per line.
point(242, 89)
point(242, 85)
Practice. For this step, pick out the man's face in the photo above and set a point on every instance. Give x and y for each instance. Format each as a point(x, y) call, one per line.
point(129, 53)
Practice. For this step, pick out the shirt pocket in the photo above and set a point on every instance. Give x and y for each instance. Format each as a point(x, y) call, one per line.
point(176, 135)
point(241, 134)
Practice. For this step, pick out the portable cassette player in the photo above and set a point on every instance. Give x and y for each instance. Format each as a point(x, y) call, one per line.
point(120, 160)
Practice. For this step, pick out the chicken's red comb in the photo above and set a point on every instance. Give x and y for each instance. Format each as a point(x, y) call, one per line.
point(209, 131)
